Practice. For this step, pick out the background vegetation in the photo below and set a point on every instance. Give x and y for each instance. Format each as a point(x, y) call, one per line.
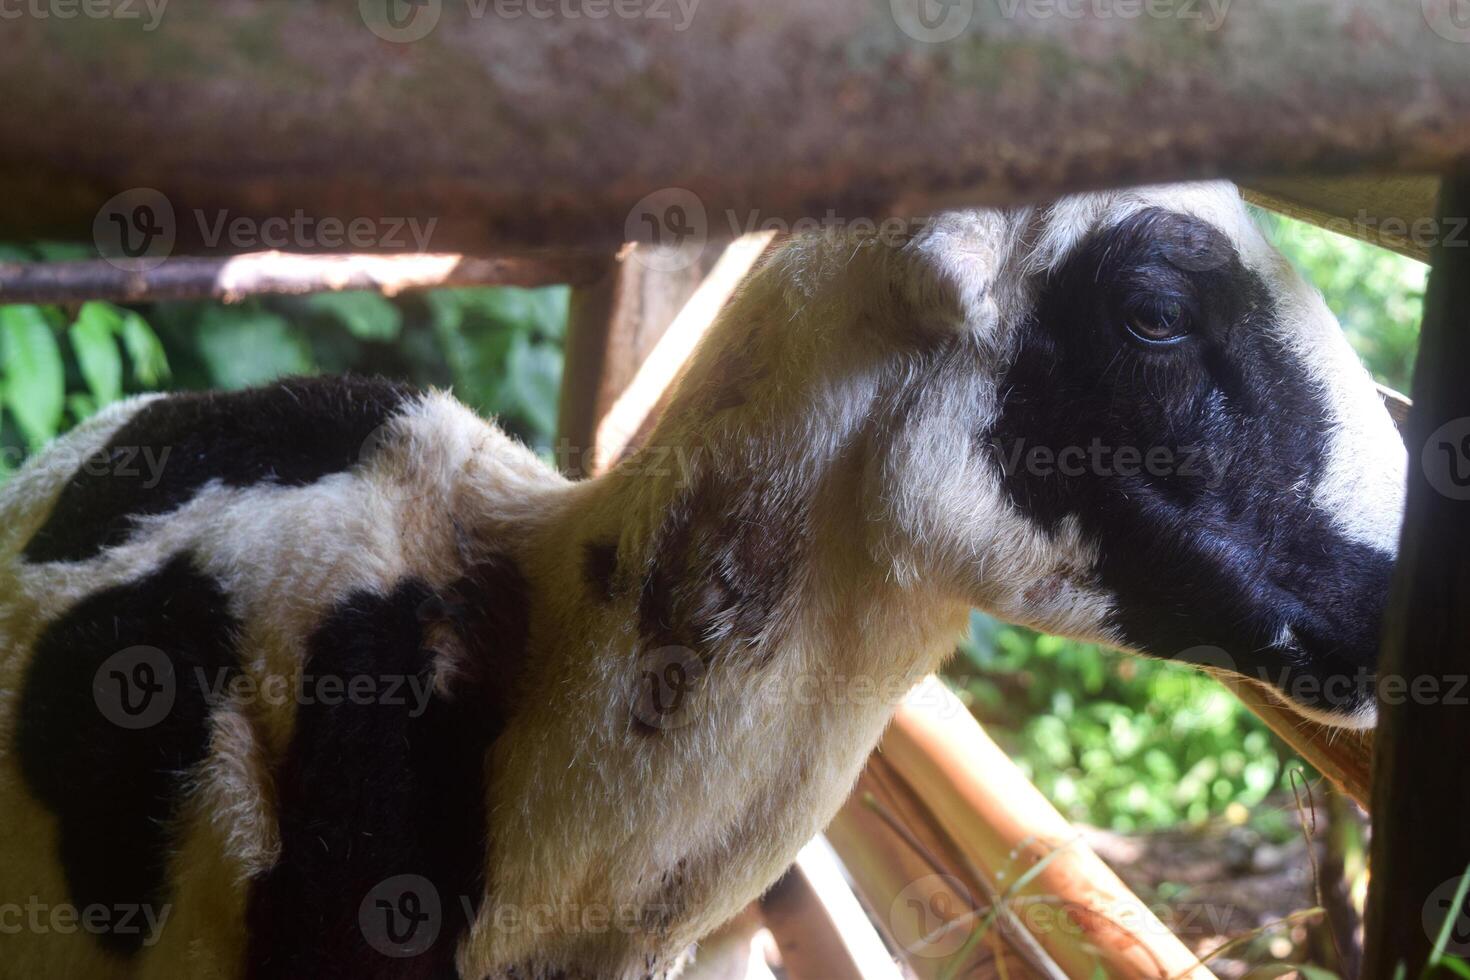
point(1114, 741)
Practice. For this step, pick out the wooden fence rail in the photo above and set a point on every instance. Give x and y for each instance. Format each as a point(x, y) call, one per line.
point(490, 125)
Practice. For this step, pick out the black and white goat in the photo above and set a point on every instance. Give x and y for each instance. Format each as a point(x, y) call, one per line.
point(333, 679)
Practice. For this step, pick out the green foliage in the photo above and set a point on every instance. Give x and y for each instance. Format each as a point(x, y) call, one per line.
point(1378, 296)
point(498, 349)
point(1117, 741)
point(45, 392)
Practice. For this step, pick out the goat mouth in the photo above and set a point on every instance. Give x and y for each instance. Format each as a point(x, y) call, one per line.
point(1321, 686)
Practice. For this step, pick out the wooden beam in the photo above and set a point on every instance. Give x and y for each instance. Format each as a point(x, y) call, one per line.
point(502, 126)
point(1421, 827)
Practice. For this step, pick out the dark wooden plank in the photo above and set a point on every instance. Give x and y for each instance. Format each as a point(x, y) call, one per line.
point(1421, 834)
point(505, 127)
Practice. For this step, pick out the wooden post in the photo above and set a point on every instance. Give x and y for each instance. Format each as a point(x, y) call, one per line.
point(1421, 833)
point(613, 326)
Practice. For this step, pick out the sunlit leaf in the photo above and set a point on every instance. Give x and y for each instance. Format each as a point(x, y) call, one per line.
point(35, 379)
point(94, 340)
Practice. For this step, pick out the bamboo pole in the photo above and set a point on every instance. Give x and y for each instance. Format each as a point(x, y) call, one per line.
point(234, 278)
point(1077, 909)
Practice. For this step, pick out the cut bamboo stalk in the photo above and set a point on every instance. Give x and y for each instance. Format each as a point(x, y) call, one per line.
point(1079, 911)
point(919, 888)
point(1344, 757)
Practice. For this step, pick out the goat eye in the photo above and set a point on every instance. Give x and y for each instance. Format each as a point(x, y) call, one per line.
point(1164, 323)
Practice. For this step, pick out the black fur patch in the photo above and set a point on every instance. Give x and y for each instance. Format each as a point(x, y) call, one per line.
point(1214, 542)
point(600, 568)
point(115, 788)
point(724, 556)
point(291, 433)
point(376, 789)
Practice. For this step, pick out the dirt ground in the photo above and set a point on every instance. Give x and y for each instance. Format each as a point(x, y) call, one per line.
point(1215, 883)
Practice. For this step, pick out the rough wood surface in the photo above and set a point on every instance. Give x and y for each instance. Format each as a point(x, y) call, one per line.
point(506, 126)
point(1421, 832)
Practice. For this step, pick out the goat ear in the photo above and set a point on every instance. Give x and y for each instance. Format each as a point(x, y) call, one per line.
point(952, 266)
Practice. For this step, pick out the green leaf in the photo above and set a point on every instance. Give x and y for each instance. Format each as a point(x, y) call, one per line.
point(94, 339)
point(530, 310)
point(35, 379)
point(145, 350)
point(366, 315)
point(244, 346)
